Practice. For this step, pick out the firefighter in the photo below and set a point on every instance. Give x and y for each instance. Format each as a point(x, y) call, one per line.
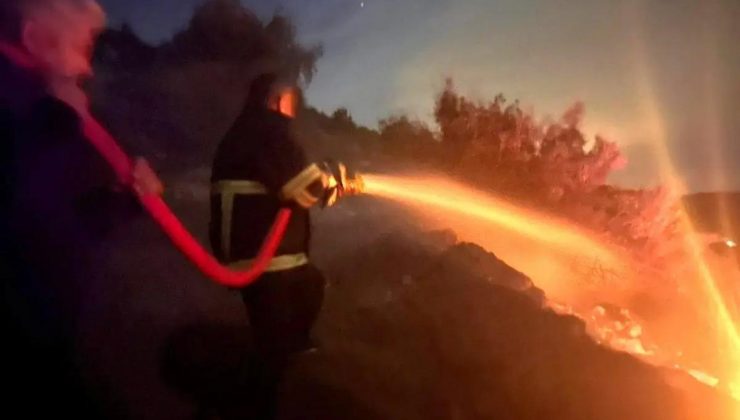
point(59, 202)
point(258, 169)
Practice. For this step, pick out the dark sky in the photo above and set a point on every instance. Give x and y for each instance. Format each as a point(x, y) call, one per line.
point(649, 71)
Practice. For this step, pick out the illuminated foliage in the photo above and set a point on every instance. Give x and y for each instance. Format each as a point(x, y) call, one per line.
point(548, 164)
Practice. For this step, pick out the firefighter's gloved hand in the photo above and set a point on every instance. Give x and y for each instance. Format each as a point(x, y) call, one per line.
point(340, 182)
point(146, 181)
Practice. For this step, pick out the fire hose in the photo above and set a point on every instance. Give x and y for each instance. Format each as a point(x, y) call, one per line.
point(107, 146)
point(122, 165)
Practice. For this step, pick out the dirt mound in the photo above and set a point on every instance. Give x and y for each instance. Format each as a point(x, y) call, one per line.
point(417, 329)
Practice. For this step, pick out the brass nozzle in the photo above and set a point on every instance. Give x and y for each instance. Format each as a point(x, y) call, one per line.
point(355, 185)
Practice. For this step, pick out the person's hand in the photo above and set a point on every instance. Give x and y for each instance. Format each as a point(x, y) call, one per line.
point(146, 181)
point(340, 182)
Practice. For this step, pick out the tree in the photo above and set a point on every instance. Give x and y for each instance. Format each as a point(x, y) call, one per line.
point(122, 50)
point(341, 119)
point(179, 97)
point(296, 60)
point(402, 137)
point(223, 30)
point(550, 165)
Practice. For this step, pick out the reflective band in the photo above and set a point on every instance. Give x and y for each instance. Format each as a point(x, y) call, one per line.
point(228, 189)
point(306, 199)
point(279, 263)
point(296, 188)
point(238, 187)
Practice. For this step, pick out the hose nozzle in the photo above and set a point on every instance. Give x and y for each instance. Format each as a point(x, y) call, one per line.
point(354, 185)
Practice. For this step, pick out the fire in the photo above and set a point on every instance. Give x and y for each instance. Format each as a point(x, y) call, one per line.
point(544, 248)
point(705, 281)
point(468, 202)
point(578, 271)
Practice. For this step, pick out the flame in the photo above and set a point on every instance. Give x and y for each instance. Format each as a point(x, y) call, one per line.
point(555, 252)
point(468, 202)
point(560, 257)
point(709, 287)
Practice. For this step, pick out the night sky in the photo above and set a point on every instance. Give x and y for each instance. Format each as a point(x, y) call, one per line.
point(389, 56)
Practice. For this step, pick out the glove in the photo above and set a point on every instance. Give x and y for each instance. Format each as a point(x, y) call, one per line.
point(340, 182)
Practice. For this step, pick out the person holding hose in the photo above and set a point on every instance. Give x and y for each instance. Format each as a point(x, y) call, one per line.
point(259, 168)
point(59, 204)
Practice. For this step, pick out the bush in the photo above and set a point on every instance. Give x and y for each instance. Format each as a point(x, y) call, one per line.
point(408, 139)
point(550, 165)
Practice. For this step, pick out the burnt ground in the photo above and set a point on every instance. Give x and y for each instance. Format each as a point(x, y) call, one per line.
point(414, 326)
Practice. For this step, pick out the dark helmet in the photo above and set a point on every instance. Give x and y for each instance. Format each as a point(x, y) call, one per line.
point(261, 89)
point(265, 85)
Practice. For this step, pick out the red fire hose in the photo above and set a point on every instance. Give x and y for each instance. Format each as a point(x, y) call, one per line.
point(107, 146)
point(170, 224)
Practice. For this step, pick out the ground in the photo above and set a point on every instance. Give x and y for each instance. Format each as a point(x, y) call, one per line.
point(415, 325)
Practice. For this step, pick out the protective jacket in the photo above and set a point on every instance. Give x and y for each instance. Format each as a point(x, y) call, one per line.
point(258, 169)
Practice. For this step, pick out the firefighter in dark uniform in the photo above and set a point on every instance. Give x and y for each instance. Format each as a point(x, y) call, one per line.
point(258, 169)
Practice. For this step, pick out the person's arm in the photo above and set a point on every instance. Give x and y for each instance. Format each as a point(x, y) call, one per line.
point(321, 183)
point(289, 174)
point(99, 195)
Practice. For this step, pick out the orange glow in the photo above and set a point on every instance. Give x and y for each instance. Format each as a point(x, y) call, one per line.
point(557, 254)
point(479, 205)
point(694, 323)
point(578, 272)
point(708, 289)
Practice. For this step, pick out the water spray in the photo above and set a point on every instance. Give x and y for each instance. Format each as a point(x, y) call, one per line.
point(478, 211)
